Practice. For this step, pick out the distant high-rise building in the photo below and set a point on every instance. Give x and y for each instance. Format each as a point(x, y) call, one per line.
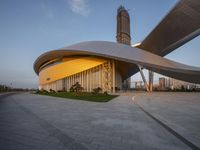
point(123, 33)
point(123, 26)
point(162, 83)
point(178, 84)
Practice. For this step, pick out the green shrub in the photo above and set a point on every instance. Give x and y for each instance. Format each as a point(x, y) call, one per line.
point(105, 93)
point(37, 91)
point(76, 87)
point(72, 89)
point(97, 90)
point(44, 91)
point(52, 91)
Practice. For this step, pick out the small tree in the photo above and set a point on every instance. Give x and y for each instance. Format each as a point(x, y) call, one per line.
point(76, 87)
point(52, 91)
point(182, 88)
point(97, 90)
point(106, 93)
point(43, 91)
point(71, 89)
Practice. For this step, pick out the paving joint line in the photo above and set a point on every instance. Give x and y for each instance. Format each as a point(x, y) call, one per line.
point(170, 130)
point(67, 141)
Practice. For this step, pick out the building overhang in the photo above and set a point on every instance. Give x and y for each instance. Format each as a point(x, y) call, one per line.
point(179, 26)
point(128, 57)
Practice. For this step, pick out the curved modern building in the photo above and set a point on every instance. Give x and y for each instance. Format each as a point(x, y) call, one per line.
point(103, 64)
point(107, 64)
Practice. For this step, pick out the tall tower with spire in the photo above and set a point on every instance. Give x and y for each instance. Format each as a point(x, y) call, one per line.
point(123, 26)
point(123, 34)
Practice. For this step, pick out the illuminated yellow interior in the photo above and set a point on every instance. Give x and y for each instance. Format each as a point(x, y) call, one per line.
point(68, 68)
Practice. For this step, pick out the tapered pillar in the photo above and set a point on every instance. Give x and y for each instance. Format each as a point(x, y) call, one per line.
point(143, 78)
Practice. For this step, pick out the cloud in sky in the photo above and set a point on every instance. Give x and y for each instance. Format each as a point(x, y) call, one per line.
point(79, 7)
point(47, 10)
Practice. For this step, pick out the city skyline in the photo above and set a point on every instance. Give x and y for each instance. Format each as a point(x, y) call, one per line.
point(25, 36)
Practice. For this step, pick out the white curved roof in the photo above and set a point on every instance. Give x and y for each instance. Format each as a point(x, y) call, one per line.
point(126, 54)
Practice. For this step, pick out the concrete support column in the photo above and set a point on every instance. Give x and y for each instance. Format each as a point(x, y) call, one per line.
point(70, 81)
point(87, 72)
point(143, 78)
point(74, 77)
point(83, 85)
point(90, 77)
point(102, 86)
point(100, 73)
point(113, 75)
point(81, 79)
point(67, 83)
point(150, 80)
point(98, 79)
point(94, 77)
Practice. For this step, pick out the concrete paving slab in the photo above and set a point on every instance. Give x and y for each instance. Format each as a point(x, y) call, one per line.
point(48, 123)
point(180, 111)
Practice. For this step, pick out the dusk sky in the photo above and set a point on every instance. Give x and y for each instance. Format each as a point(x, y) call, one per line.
point(29, 28)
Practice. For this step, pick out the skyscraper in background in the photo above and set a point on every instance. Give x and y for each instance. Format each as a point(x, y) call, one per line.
point(123, 33)
point(123, 26)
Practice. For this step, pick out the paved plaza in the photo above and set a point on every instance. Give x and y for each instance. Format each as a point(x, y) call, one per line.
point(132, 121)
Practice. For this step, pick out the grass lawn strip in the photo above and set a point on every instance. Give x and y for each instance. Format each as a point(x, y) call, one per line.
point(98, 97)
